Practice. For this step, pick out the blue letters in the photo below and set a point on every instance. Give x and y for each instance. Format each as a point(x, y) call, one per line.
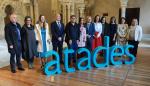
point(106, 53)
point(54, 62)
point(84, 59)
point(66, 53)
point(89, 58)
point(132, 57)
point(113, 54)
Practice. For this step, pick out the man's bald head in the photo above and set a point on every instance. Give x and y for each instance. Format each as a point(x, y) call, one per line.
point(58, 17)
point(13, 18)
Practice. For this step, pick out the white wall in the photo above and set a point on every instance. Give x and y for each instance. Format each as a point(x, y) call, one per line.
point(144, 13)
point(145, 16)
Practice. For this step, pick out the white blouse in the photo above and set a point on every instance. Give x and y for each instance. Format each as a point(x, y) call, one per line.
point(135, 32)
point(98, 28)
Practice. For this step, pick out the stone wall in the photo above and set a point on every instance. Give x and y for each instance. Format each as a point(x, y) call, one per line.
point(20, 10)
point(106, 6)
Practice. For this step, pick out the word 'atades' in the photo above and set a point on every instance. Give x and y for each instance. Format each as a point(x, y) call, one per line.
point(89, 58)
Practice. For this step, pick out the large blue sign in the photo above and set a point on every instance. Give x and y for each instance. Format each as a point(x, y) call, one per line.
point(89, 58)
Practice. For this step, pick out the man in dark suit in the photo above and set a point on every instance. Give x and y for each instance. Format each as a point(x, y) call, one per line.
point(57, 31)
point(13, 39)
point(72, 37)
point(90, 31)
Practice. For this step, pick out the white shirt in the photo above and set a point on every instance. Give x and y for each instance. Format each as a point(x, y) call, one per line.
point(136, 31)
point(98, 28)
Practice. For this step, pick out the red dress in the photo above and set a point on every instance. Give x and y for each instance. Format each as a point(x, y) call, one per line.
point(96, 41)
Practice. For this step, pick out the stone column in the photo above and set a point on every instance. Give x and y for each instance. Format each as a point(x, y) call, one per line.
point(73, 8)
point(31, 10)
point(69, 12)
point(35, 11)
point(81, 11)
point(64, 13)
point(123, 7)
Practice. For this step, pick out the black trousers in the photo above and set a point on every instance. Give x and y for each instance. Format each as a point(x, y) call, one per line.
point(112, 42)
point(15, 52)
point(58, 46)
point(72, 56)
point(89, 43)
point(30, 59)
point(135, 44)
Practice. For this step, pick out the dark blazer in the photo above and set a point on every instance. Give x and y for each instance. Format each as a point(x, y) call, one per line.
point(11, 36)
point(112, 29)
point(91, 30)
point(56, 32)
point(106, 30)
point(72, 32)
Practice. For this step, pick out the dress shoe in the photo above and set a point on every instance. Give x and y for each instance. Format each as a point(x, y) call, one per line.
point(22, 69)
point(13, 71)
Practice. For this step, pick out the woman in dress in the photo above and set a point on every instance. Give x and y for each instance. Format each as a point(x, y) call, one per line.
point(112, 31)
point(28, 42)
point(82, 37)
point(43, 38)
point(122, 32)
point(97, 41)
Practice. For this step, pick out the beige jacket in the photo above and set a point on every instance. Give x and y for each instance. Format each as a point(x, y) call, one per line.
point(39, 37)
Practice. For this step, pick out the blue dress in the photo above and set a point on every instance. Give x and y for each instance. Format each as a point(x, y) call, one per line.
point(43, 33)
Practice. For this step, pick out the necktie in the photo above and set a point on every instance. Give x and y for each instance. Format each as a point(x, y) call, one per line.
point(59, 25)
point(88, 26)
point(18, 33)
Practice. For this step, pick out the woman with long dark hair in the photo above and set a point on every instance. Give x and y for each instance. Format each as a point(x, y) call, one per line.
point(97, 41)
point(43, 38)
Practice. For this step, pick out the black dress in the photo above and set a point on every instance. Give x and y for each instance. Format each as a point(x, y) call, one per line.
point(29, 47)
point(112, 32)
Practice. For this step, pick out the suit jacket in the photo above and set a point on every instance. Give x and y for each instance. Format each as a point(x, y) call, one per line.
point(106, 30)
point(72, 32)
point(91, 30)
point(56, 31)
point(11, 36)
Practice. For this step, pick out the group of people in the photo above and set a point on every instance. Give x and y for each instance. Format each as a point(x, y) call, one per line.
point(32, 41)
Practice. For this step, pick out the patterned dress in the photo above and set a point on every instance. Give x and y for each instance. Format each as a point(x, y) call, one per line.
point(122, 32)
point(82, 39)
